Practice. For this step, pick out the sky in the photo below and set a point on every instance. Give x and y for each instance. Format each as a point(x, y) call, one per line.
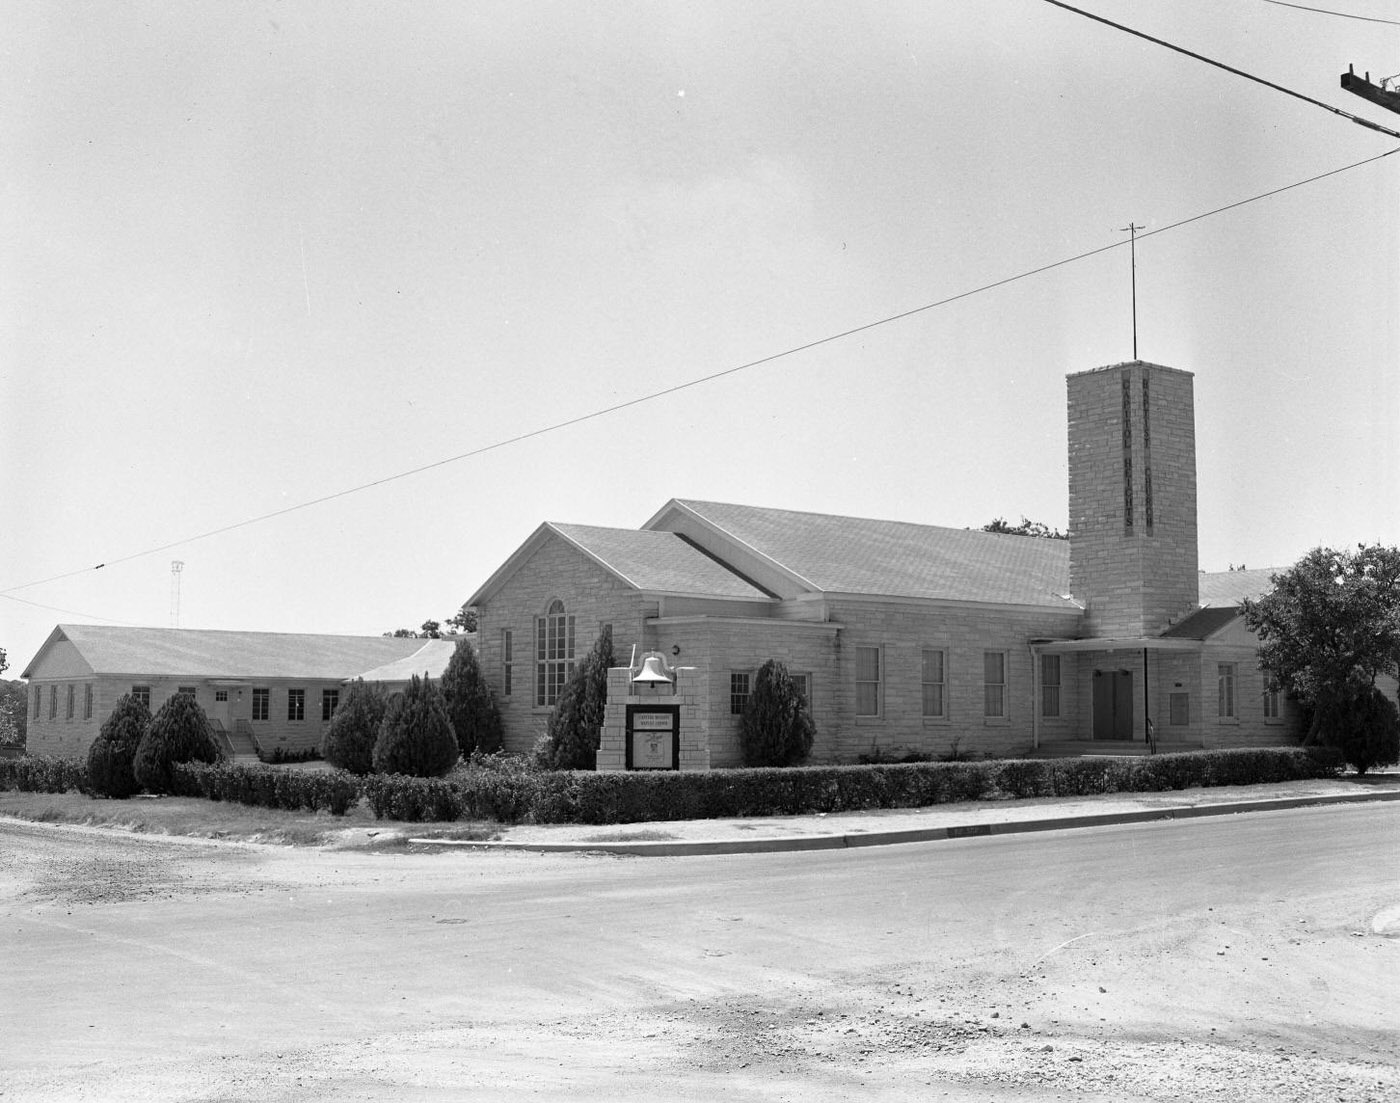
point(257, 255)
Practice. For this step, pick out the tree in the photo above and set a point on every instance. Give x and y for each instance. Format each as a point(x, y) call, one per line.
point(471, 705)
point(1366, 728)
point(112, 756)
point(464, 620)
point(402, 634)
point(179, 732)
point(4, 661)
point(14, 713)
point(1025, 528)
point(431, 630)
point(776, 728)
point(1330, 627)
point(575, 726)
point(416, 735)
point(349, 740)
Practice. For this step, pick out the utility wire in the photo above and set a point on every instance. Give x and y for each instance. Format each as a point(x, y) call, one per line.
point(1339, 14)
point(677, 388)
point(1357, 119)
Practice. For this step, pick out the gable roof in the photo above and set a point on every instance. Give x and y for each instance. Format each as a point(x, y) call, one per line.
point(854, 555)
point(196, 653)
point(1202, 624)
point(1232, 587)
point(652, 562)
point(431, 659)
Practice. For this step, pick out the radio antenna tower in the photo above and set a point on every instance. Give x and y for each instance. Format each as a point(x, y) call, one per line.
point(176, 566)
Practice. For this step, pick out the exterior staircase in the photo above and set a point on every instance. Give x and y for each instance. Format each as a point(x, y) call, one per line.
point(1111, 748)
point(238, 745)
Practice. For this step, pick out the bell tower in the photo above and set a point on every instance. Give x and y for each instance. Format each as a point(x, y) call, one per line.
point(1132, 497)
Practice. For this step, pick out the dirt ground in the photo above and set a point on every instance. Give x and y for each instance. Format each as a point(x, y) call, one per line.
point(414, 975)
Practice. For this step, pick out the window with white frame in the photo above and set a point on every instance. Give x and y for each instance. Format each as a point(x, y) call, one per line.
point(554, 652)
point(994, 685)
point(53, 702)
point(142, 694)
point(1050, 686)
point(1225, 680)
point(330, 701)
point(740, 685)
point(72, 696)
point(38, 701)
point(220, 695)
point(296, 704)
point(507, 660)
point(803, 684)
point(262, 703)
point(87, 701)
point(869, 680)
point(934, 679)
point(188, 689)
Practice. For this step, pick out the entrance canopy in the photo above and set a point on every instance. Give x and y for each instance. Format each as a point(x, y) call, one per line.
point(1118, 643)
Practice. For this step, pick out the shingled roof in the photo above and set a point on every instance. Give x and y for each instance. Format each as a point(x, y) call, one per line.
point(198, 653)
point(854, 555)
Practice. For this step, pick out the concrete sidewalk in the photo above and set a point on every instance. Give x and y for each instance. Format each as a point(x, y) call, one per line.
point(954, 821)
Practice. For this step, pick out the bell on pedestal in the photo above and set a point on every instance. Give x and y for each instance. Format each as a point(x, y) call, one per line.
point(653, 672)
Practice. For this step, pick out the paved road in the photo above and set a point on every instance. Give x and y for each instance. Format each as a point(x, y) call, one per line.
point(1118, 963)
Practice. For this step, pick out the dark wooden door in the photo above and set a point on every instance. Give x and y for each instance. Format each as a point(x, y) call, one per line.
point(1113, 704)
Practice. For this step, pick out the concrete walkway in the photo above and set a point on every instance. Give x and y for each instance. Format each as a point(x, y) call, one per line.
point(953, 821)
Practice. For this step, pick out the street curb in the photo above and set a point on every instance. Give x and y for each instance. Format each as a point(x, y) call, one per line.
point(678, 848)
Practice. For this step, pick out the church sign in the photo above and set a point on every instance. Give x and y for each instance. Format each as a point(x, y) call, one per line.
point(653, 737)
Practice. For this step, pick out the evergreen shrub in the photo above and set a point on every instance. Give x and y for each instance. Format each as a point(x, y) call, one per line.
point(349, 740)
point(776, 728)
point(575, 726)
point(262, 786)
point(111, 758)
point(1365, 729)
point(416, 736)
point(43, 774)
point(179, 732)
point(471, 705)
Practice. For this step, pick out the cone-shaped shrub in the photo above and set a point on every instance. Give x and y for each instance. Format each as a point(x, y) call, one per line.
point(777, 729)
point(471, 705)
point(112, 754)
point(179, 732)
point(349, 740)
point(416, 736)
point(576, 724)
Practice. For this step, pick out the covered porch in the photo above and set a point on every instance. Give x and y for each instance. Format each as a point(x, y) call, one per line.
point(1123, 695)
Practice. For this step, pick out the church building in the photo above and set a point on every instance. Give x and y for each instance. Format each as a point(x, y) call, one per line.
point(915, 638)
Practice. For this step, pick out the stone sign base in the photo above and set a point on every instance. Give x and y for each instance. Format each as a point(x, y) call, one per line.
point(688, 693)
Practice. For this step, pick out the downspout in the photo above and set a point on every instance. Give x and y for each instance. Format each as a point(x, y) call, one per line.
point(1146, 706)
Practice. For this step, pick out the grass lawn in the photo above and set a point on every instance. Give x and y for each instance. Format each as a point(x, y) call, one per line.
point(223, 820)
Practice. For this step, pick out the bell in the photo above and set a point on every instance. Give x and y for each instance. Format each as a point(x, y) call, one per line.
point(653, 670)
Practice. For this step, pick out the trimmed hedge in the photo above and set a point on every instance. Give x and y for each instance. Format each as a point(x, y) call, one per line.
point(290, 790)
point(43, 775)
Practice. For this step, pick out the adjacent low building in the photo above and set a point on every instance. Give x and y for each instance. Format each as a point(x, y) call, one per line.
point(262, 691)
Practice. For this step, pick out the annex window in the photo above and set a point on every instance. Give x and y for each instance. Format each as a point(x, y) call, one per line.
point(934, 677)
point(507, 660)
point(296, 704)
point(994, 684)
point(869, 668)
point(1271, 704)
point(142, 694)
point(262, 701)
point(188, 689)
point(53, 702)
point(72, 695)
point(330, 701)
point(87, 701)
point(1050, 686)
point(220, 695)
point(554, 652)
point(1179, 710)
point(740, 684)
point(38, 701)
point(1225, 679)
point(803, 685)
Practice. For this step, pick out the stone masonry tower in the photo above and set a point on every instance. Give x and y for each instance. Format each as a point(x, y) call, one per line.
point(1132, 497)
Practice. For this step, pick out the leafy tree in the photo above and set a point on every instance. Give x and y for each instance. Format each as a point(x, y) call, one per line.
point(416, 735)
point(1330, 626)
point(470, 703)
point(14, 713)
point(402, 634)
point(1027, 527)
point(575, 726)
point(1366, 728)
point(431, 630)
point(776, 728)
point(179, 732)
point(464, 620)
point(112, 756)
point(349, 740)
point(4, 661)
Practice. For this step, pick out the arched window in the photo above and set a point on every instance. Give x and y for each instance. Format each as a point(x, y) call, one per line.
point(554, 652)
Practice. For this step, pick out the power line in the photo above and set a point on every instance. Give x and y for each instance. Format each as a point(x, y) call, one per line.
point(1357, 119)
point(665, 391)
point(1339, 14)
